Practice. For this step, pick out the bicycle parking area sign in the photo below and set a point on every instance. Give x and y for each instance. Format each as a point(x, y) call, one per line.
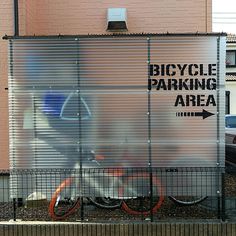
point(199, 78)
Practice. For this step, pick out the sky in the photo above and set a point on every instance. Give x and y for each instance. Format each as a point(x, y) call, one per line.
point(224, 16)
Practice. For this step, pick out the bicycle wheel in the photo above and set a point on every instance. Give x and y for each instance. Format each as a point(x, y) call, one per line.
point(62, 203)
point(140, 202)
point(188, 200)
point(106, 202)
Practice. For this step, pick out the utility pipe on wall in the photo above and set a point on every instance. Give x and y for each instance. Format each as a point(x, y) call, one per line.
point(16, 18)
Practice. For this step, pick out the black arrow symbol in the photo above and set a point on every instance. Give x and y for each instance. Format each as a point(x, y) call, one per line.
point(204, 114)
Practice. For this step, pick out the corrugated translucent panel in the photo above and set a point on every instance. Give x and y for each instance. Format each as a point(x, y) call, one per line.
point(71, 99)
point(183, 86)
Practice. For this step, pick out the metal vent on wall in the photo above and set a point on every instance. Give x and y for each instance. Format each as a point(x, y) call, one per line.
point(117, 19)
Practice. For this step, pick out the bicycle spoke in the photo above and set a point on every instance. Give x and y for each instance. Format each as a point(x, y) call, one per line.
point(107, 203)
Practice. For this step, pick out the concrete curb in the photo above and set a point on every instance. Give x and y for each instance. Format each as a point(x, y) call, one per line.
point(135, 229)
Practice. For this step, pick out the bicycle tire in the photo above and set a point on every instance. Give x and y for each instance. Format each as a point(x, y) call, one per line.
point(128, 205)
point(61, 210)
point(106, 203)
point(188, 201)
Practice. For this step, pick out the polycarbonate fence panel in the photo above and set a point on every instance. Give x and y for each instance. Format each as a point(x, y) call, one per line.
point(113, 63)
point(187, 108)
point(117, 102)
